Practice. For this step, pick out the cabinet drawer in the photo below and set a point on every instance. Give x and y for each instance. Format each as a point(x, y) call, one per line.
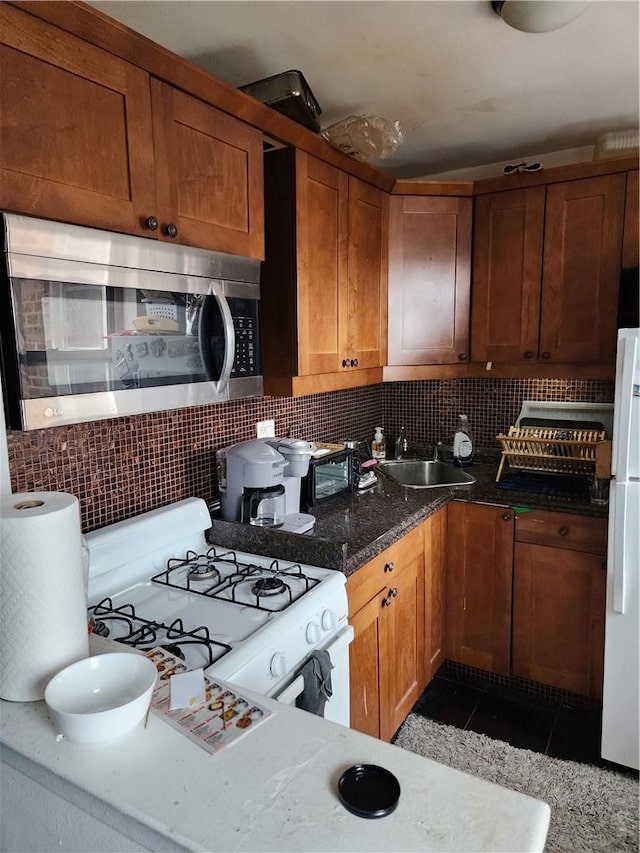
point(380, 572)
point(563, 530)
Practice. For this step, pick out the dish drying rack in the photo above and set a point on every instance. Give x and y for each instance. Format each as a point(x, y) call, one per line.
point(550, 450)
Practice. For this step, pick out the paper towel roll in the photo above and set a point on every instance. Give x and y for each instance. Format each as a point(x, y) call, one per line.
point(43, 595)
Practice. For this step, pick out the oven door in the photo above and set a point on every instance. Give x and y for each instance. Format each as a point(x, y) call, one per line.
point(337, 708)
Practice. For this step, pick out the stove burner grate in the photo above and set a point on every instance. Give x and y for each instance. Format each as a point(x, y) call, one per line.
point(144, 633)
point(271, 585)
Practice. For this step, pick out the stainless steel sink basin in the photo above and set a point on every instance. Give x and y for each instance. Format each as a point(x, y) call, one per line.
point(424, 474)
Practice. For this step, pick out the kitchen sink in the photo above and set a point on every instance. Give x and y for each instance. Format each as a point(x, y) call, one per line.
point(424, 474)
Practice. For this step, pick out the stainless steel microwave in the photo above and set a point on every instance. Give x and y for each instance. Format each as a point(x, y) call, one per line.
point(95, 324)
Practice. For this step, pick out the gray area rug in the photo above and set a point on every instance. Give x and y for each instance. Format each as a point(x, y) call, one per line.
point(592, 809)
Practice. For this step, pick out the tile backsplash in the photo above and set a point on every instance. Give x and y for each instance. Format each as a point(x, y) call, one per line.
point(124, 466)
point(429, 410)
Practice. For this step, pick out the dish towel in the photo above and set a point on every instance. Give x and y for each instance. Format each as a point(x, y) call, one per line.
point(317, 683)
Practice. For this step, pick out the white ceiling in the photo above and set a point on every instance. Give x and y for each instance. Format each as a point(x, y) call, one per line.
point(467, 88)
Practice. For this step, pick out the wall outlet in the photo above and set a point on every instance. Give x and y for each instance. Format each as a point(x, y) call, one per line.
point(266, 429)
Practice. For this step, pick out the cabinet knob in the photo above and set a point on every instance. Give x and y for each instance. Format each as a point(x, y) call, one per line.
point(506, 516)
point(171, 230)
point(563, 531)
point(354, 362)
point(393, 592)
point(463, 356)
point(389, 567)
point(528, 354)
point(545, 355)
point(345, 362)
point(386, 601)
point(151, 223)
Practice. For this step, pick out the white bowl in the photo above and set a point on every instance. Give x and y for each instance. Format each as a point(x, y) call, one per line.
point(101, 698)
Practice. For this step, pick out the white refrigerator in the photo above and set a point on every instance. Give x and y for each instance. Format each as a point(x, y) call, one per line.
point(620, 722)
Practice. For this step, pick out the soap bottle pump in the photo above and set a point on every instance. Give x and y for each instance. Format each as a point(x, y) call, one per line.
point(378, 449)
point(463, 444)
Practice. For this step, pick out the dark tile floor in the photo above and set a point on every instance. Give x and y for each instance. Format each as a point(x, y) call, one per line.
point(506, 713)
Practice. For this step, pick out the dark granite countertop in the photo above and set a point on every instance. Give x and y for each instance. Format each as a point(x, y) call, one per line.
point(353, 528)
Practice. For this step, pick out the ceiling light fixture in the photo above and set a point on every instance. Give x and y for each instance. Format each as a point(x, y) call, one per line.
point(538, 16)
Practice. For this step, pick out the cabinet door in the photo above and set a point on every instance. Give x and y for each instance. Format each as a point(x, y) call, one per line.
point(386, 610)
point(364, 666)
point(210, 175)
point(402, 649)
point(630, 239)
point(435, 555)
point(321, 224)
point(558, 617)
point(507, 268)
point(582, 251)
point(76, 141)
point(367, 271)
point(479, 584)
point(429, 280)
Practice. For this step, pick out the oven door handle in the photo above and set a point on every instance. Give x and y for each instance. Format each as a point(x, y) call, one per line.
point(222, 380)
point(290, 693)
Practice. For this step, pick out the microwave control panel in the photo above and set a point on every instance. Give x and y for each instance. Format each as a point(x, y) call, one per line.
point(245, 324)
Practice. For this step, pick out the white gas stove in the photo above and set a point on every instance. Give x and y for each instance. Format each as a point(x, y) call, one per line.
point(252, 621)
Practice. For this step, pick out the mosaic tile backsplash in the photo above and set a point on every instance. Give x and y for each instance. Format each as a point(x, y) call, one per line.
point(124, 466)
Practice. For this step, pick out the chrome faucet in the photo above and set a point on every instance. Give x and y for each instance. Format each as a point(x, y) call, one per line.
point(402, 444)
point(436, 451)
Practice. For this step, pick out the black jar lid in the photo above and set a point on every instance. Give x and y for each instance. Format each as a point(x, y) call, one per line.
point(369, 791)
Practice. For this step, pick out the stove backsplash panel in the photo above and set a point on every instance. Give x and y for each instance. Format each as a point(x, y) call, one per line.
point(121, 467)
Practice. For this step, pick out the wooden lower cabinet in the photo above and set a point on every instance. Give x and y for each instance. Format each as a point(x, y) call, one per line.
point(435, 559)
point(526, 594)
point(386, 610)
point(559, 590)
point(479, 581)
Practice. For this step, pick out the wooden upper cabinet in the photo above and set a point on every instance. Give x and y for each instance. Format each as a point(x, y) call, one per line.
point(366, 276)
point(76, 140)
point(631, 235)
point(209, 175)
point(546, 272)
point(582, 254)
point(507, 274)
point(324, 277)
point(88, 138)
point(321, 220)
point(429, 280)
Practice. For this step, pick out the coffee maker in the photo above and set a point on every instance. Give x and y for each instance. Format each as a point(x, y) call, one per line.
point(260, 483)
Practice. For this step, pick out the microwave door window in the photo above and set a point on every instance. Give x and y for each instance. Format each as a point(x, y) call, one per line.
point(75, 320)
point(80, 338)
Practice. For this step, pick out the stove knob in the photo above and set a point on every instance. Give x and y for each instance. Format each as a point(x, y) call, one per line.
point(328, 620)
point(278, 665)
point(313, 633)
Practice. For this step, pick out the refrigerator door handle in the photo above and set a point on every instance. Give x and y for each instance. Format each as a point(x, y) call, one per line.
point(617, 556)
point(624, 392)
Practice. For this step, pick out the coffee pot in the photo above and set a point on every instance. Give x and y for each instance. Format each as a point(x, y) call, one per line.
point(260, 482)
point(264, 506)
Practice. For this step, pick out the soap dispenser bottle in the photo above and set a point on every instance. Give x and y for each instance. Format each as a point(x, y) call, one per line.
point(378, 449)
point(463, 444)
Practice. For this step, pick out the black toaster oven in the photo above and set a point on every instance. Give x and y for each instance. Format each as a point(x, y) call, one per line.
point(328, 475)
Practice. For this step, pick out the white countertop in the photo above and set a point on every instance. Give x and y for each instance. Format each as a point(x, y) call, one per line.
point(275, 789)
